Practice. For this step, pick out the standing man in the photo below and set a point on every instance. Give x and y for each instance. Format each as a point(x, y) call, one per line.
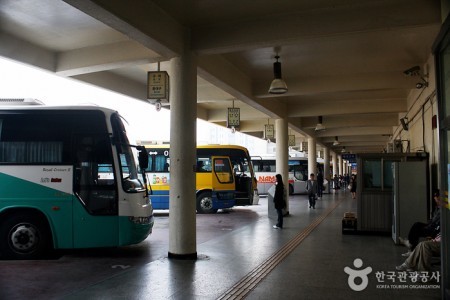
point(311, 189)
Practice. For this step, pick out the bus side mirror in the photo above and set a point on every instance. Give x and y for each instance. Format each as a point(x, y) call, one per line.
point(143, 158)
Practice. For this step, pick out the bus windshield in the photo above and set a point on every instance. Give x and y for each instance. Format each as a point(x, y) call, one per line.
point(127, 163)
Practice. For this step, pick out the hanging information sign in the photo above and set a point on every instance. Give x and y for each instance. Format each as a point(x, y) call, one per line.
point(269, 131)
point(158, 86)
point(233, 118)
point(291, 141)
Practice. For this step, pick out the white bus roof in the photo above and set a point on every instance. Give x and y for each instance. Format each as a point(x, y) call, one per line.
point(20, 101)
point(55, 107)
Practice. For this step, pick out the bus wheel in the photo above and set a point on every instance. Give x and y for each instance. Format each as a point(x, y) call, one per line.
point(291, 189)
point(23, 236)
point(205, 204)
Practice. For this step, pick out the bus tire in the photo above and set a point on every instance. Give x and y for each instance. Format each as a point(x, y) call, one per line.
point(291, 189)
point(24, 235)
point(205, 204)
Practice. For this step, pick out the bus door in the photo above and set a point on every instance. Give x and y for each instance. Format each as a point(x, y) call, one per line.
point(222, 175)
point(95, 209)
point(220, 193)
point(244, 185)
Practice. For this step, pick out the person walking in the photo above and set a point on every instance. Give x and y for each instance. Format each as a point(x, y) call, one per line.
point(311, 189)
point(279, 200)
point(319, 185)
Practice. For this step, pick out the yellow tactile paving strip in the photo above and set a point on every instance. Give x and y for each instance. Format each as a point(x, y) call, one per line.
point(243, 287)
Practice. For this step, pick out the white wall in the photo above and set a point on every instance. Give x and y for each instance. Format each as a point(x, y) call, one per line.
point(421, 107)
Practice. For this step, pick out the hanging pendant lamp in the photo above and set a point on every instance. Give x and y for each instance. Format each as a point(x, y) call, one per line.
point(319, 126)
point(278, 86)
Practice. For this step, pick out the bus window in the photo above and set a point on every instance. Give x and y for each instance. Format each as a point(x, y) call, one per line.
point(203, 164)
point(222, 170)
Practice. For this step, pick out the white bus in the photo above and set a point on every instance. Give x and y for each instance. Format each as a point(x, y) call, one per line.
point(265, 169)
point(68, 179)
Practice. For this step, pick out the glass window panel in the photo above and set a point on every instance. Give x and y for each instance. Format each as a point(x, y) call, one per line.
point(388, 176)
point(372, 174)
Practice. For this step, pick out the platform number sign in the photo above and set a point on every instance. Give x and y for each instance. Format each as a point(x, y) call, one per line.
point(269, 131)
point(158, 85)
point(291, 141)
point(233, 118)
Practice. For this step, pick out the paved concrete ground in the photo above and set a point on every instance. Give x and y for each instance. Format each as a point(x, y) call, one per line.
point(305, 260)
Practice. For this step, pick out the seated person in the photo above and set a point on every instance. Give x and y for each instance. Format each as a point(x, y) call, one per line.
point(420, 229)
point(420, 258)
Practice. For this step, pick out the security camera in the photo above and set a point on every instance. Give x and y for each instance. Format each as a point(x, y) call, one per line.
point(404, 122)
point(414, 71)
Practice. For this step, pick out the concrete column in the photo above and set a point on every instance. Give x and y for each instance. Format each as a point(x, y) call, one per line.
point(183, 139)
point(312, 156)
point(344, 167)
point(335, 168)
point(282, 154)
point(326, 166)
point(341, 167)
point(335, 165)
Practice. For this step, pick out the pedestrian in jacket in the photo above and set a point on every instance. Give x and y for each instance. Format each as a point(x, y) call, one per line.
point(311, 189)
point(279, 200)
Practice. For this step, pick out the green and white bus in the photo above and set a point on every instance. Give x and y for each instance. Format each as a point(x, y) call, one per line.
point(53, 189)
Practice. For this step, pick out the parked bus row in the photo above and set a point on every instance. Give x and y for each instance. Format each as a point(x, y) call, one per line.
point(68, 180)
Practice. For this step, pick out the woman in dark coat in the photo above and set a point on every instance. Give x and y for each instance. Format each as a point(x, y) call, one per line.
point(353, 184)
point(279, 200)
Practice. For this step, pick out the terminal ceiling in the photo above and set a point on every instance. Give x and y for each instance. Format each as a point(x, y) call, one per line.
point(341, 59)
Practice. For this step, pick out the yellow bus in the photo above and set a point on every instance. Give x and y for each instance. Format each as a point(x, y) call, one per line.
point(208, 201)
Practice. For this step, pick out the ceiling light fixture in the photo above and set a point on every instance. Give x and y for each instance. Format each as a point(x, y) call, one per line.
point(336, 142)
point(319, 126)
point(343, 150)
point(278, 86)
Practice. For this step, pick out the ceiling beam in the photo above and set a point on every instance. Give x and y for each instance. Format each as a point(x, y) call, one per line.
point(103, 58)
point(337, 83)
point(348, 107)
point(357, 120)
point(379, 130)
point(303, 24)
point(26, 52)
point(116, 83)
point(143, 22)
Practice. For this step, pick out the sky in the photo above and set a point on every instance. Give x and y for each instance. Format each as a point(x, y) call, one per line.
point(18, 80)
